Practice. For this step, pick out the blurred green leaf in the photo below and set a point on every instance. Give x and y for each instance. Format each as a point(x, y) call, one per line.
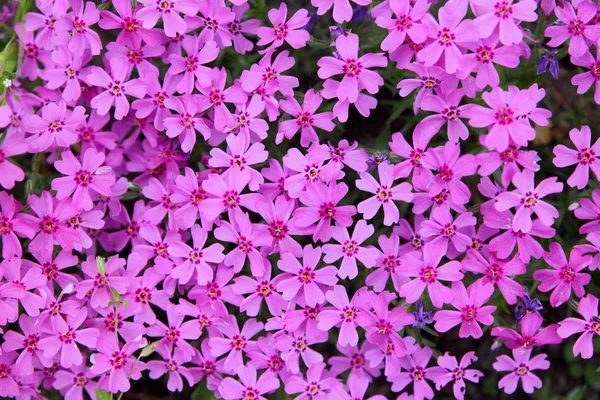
point(577, 393)
point(23, 7)
point(103, 395)
point(9, 57)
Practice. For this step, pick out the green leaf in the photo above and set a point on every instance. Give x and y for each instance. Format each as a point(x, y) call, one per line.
point(23, 7)
point(9, 57)
point(105, 6)
point(577, 393)
point(431, 331)
point(101, 265)
point(116, 297)
point(148, 350)
point(103, 395)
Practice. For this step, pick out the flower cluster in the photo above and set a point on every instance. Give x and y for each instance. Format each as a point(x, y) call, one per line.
point(163, 217)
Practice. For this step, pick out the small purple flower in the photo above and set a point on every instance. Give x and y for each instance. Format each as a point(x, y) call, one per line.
point(529, 305)
point(548, 62)
point(422, 317)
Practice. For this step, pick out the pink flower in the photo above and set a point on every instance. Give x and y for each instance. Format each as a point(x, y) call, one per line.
point(215, 96)
point(305, 118)
point(226, 195)
point(284, 31)
point(79, 22)
point(585, 80)
point(589, 209)
point(448, 112)
point(83, 178)
point(117, 363)
point(10, 173)
point(12, 222)
point(355, 69)
point(509, 159)
point(342, 9)
point(451, 168)
point(446, 229)
point(173, 367)
point(116, 88)
point(250, 387)
point(589, 326)
point(497, 272)
point(385, 194)
point(421, 176)
point(447, 36)
point(51, 224)
point(407, 22)
point(317, 385)
point(277, 217)
point(267, 74)
point(505, 15)
point(195, 259)
point(321, 206)
point(240, 155)
point(344, 316)
point(471, 310)
point(349, 249)
point(65, 338)
point(187, 123)
point(520, 367)
point(56, 125)
point(578, 27)
point(428, 274)
point(565, 276)
point(173, 24)
point(236, 28)
point(527, 200)
point(67, 72)
point(309, 170)
point(216, 18)
point(28, 342)
point(305, 281)
point(176, 332)
point(416, 372)
point(100, 284)
point(503, 119)
point(529, 336)
point(248, 238)
point(261, 288)
point(457, 372)
point(293, 347)
point(130, 29)
point(585, 157)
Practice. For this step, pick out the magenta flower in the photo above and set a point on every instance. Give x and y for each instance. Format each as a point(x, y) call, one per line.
point(309, 169)
point(187, 122)
point(236, 342)
point(485, 54)
point(267, 74)
point(527, 200)
point(116, 88)
point(250, 387)
point(457, 373)
point(173, 24)
point(9, 172)
point(100, 284)
point(304, 118)
point(195, 259)
point(427, 273)
point(216, 18)
point(56, 125)
point(65, 338)
point(387, 265)
point(261, 288)
point(277, 217)
point(240, 155)
point(83, 178)
point(578, 27)
point(447, 230)
point(248, 238)
point(385, 193)
point(349, 249)
point(176, 332)
point(585, 157)
point(67, 72)
point(497, 272)
point(173, 366)
point(416, 372)
point(20, 288)
point(589, 326)
point(284, 31)
point(407, 22)
point(430, 80)
point(130, 27)
point(79, 22)
point(448, 112)
point(51, 224)
point(28, 342)
point(342, 9)
point(227, 195)
point(471, 310)
point(316, 386)
point(589, 209)
point(12, 222)
point(421, 176)
point(321, 206)
point(451, 168)
point(237, 28)
point(505, 15)
point(530, 335)
point(73, 382)
point(304, 281)
point(357, 74)
point(502, 117)
point(448, 36)
point(358, 390)
point(343, 316)
point(509, 159)
point(9, 386)
point(565, 276)
point(585, 80)
point(116, 362)
point(520, 367)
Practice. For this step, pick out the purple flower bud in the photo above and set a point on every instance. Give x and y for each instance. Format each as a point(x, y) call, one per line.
point(422, 318)
point(378, 158)
point(529, 305)
point(549, 61)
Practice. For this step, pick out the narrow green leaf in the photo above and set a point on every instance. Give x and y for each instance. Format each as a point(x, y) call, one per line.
point(9, 57)
point(101, 265)
point(23, 8)
point(151, 348)
point(103, 395)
